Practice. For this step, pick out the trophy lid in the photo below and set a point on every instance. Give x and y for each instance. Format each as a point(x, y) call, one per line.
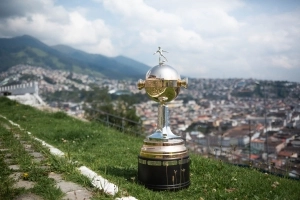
point(164, 72)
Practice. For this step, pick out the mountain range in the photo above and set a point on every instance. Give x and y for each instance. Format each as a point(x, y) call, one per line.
point(29, 50)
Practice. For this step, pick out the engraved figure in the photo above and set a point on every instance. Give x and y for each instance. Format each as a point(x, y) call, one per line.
point(160, 51)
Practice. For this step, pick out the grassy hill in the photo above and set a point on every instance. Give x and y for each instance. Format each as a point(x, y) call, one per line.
point(28, 50)
point(113, 155)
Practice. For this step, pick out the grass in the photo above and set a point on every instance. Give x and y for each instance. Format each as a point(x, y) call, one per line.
point(6, 183)
point(32, 171)
point(113, 155)
point(29, 169)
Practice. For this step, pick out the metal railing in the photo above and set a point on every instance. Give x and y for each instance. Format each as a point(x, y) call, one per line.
point(137, 129)
point(120, 123)
point(231, 157)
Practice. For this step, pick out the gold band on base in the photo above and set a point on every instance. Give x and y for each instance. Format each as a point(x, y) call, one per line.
point(171, 149)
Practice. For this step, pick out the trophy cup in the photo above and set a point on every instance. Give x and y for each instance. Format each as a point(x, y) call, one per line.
point(163, 162)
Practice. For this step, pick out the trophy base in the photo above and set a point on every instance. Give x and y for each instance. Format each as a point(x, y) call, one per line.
point(164, 174)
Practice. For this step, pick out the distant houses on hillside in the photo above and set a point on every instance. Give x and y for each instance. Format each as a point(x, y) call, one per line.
point(279, 141)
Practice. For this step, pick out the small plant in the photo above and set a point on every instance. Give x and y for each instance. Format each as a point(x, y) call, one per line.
point(25, 176)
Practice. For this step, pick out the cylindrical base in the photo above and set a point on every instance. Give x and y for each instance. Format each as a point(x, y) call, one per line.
point(164, 174)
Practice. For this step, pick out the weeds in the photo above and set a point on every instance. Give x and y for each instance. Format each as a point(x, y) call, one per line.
point(7, 192)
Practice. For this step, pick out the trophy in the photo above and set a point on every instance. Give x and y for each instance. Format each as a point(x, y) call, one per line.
point(163, 162)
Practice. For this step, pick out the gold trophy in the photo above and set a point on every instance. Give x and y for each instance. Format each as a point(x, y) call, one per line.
point(163, 163)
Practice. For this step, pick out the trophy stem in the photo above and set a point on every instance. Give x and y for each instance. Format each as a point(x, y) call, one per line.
point(163, 121)
point(163, 131)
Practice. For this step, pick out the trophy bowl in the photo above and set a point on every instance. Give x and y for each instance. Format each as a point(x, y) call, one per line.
point(162, 83)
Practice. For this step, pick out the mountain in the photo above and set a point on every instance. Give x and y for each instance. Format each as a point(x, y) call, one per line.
point(28, 50)
point(119, 64)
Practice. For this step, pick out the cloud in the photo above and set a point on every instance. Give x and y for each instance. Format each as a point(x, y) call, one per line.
point(136, 13)
point(275, 40)
point(179, 38)
point(56, 25)
point(284, 61)
point(205, 38)
point(19, 8)
point(208, 38)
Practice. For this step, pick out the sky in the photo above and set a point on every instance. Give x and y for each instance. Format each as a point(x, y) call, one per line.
point(203, 39)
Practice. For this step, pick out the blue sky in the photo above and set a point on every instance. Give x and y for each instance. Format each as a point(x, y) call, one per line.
point(205, 39)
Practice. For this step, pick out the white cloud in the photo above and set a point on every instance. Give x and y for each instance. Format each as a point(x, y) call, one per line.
point(82, 31)
point(284, 61)
point(276, 41)
point(178, 37)
point(204, 38)
point(136, 13)
point(55, 25)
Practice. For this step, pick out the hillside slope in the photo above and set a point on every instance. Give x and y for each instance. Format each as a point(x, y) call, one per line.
point(114, 155)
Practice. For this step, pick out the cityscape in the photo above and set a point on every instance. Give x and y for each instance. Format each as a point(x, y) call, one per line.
point(140, 99)
point(216, 122)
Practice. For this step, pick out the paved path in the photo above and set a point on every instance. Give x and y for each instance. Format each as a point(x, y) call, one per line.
point(72, 191)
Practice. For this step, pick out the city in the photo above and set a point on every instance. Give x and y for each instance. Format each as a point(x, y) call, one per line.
point(110, 99)
point(261, 129)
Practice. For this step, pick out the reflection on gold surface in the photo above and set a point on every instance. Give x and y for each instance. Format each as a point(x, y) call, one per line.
point(164, 163)
point(155, 92)
point(169, 143)
point(163, 155)
point(160, 90)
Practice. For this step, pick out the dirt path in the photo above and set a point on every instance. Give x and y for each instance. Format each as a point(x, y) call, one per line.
point(26, 182)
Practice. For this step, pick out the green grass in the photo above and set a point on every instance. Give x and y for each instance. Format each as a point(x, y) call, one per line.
point(44, 186)
point(7, 191)
point(113, 155)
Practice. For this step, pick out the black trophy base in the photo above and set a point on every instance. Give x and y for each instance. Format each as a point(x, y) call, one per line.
point(160, 174)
